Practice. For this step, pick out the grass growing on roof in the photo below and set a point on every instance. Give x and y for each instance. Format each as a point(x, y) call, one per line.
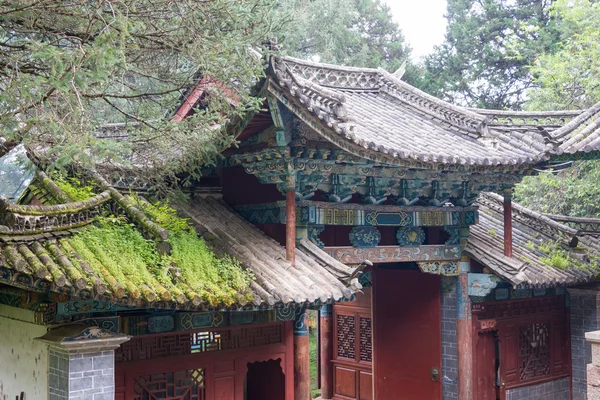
point(222, 277)
point(116, 246)
point(73, 187)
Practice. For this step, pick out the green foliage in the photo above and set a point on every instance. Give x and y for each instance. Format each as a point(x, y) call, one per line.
point(164, 215)
point(220, 279)
point(489, 45)
point(574, 191)
point(116, 245)
point(73, 187)
point(568, 79)
point(492, 233)
point(70, 67)
point(359, 33)
point(557, 256)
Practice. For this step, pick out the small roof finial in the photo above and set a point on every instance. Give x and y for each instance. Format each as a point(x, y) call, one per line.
point(400, 71)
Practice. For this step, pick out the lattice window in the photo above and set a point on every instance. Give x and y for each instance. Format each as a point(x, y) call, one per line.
point(176, 344)
point(180, 385)
point(366, 340)
point(205, 341)
point(346, 336)
point(534, 351)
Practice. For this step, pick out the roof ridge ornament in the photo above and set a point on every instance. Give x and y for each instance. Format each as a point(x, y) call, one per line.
point(316, 96)
point(399, 73)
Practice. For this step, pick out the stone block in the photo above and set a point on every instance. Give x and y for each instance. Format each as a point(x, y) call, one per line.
point(103, 362)
point(593, 375)
point(80, 384)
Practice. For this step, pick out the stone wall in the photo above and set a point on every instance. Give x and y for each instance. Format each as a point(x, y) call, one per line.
point(91, 376)
point(555, 390)
point(58, 373)
point(449, 344)
point(23, 361)
point(583, 319)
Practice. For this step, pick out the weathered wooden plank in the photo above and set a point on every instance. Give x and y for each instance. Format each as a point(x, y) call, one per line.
point(389, 254)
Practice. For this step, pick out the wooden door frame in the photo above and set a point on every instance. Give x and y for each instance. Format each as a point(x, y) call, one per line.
point(495, 324)
point(438, 360)
point(239, 359)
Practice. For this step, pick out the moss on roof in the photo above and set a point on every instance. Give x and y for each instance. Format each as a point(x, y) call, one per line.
point(113, 256)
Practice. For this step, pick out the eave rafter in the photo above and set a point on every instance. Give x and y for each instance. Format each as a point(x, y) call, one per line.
point(340, 175)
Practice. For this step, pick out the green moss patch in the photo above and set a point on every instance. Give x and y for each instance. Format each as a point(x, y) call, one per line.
point(73, 187)
point(115, 249)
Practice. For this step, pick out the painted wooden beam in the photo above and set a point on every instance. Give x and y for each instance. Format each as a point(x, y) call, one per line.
point(290, 227)
point(389, 254)
point(508, 240)
point(326, 350)
point(464, 335)
point(301, 356)
point(323, 213)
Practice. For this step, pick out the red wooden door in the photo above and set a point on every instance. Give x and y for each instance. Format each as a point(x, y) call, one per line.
point(407, 331)
point(265, 381)
point(485, 366)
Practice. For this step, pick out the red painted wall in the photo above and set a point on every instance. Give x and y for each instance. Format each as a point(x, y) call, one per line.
point(225, 370)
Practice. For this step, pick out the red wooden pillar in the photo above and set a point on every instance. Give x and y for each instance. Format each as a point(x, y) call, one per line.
point(508, 223)
point(290, 226)
point(326, 342)
point(301, 356)
point(464, 335)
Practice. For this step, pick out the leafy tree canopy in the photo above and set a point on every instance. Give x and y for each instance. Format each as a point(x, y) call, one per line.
point(69, 67)
point(359, 33)
point(568, 79)
point(489, 45)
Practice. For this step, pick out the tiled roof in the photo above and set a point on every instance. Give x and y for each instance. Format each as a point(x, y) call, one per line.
point(44, 248)
point(530, 229)
point(582, 134)
point(317, 276)
point(375, 110)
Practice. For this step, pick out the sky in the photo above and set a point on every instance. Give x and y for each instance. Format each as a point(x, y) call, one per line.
point(421, 21)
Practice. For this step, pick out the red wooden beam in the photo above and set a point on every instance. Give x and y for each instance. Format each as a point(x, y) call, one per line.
point(464, 338)
point(290, 226)
point(326, 350)
point(508, 241)
point(301, 356)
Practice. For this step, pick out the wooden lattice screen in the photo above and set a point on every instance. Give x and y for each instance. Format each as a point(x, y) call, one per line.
point(352, 343)
point(178, 344)
point(179, 385)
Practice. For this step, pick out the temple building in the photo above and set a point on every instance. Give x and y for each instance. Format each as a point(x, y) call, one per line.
point(352, 193)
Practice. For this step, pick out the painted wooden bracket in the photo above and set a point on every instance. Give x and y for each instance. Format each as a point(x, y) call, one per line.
point(481, 285)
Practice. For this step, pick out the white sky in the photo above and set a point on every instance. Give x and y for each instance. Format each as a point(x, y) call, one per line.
point(421, 21)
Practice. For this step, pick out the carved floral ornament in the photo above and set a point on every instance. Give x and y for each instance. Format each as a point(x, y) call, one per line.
point(445, 268)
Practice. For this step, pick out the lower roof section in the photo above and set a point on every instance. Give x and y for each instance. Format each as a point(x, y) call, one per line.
point(545, 253)
point(82, 250)
point(316, 276)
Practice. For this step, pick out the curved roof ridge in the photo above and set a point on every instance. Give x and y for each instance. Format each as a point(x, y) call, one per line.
point(380, 79)
point(455, 115)
point(553, 113)
point(576, 122)
point(326, 65)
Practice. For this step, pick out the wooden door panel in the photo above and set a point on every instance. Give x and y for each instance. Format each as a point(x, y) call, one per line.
point(485, 366)
point(407, 332)
point(224, 388)
point(365, 385)
point(345, 381)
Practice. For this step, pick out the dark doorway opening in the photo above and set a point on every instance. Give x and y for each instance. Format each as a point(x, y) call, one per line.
point(265, 381)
